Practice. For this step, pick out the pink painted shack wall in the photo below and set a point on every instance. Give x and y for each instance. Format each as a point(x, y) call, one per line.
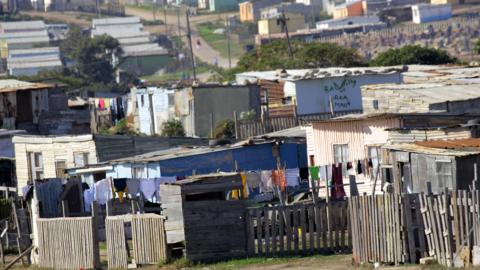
point(358, 134)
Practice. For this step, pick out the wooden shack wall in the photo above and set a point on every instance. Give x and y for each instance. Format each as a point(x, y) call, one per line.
point(214, 230)
point(465, 172)
point(172, 203)
point(423, 171)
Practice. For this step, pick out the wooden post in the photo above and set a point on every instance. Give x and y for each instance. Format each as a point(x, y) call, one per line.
point(235, 118)
point(212, 127)
point(64, 208)
point(19, 233)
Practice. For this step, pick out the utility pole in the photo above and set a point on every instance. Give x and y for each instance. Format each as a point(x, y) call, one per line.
point(227, 22)
point(154, 11)
point(178, 23)
point(99, 14)
point(283, 21)
point(189, 36)
point(165, 19)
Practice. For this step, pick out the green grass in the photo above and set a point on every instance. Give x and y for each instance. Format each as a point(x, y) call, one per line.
point(219, 41)
point(248, 262)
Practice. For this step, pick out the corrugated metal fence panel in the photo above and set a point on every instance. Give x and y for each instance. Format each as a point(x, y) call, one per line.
point(67, 243)
point(116, 244)
point(257, 127)
point(149, 239)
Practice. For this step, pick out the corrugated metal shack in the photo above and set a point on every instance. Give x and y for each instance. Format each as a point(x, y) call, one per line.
point(185, 161)
point(432, 166)
point(198, 213)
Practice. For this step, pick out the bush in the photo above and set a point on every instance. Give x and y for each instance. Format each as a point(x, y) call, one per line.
point(173, 128)
point(412, 54)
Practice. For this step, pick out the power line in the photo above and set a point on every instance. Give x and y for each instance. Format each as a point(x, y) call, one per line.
point(189, 36)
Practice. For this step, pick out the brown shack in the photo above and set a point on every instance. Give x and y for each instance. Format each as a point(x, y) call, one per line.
point(199, 215)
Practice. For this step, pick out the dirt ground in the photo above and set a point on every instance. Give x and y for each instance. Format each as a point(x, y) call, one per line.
point(333, 262)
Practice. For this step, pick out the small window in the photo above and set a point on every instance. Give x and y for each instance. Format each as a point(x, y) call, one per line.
point(142, 100)
point(444, 174)
point(139, 172)
point(340, 155)
point(60, 167)
point(35, 166)
point(80, 159)
point(375, 104)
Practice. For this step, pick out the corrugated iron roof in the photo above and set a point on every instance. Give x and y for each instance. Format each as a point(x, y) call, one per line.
point(12, 85)
point(317, 73)
point(414, 148)
point(17, 25)
point(110, 21)
point(429, 92)
point(472, 143)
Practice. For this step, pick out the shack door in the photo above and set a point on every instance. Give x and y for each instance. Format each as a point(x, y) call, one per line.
point(214, 230)
point(24, 107)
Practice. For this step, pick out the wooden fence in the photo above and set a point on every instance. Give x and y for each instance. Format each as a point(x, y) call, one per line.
point(452, 225)
point(248, 129)
point(298, 229)
point(387, 229)
point(148, 238)
point(68, 243)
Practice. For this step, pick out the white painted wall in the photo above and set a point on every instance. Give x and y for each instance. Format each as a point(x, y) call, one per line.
point(313, 96)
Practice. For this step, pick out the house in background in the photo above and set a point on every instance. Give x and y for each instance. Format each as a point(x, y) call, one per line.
point(142, 56)
point(271, 25)
point(25, 48)
point(7, 158)
point(348, 10)
point(347, 22)
point(201, 108)
point(30, 62)
point(42, 157)
point(22, 103)
point(321, 92)
point(223, 5)
point(424, 13)
point(250, 11)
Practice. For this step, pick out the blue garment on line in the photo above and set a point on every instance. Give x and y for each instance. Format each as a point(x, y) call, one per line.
point(48, 194)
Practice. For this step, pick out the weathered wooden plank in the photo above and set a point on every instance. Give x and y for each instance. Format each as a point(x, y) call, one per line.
point(274, 234)
point(303, 229)
point(311, 228)
point(281, 230)
point(266, 229)
point(259, 231)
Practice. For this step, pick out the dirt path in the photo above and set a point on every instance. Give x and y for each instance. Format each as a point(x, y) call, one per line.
point(66, 17)
point(205, 52)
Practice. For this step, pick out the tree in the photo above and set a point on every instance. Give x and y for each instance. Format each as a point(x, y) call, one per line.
point(318, 55)
point(224, 130)
point(173, 128)
point(476, 49)
point(412, 54)
point(74, 38)
point(306, 55)
point(94, 58)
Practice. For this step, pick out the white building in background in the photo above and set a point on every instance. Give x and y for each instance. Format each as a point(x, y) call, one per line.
point(26, 49)
point(321, 91)
point(317, 3)
point(424, 13)
point(30, 62)
point(152, 109)
point(347, 22)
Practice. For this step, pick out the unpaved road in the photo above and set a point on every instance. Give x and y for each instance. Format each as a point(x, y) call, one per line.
point(205, 52)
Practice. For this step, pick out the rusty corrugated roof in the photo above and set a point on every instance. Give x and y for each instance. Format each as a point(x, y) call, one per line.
point(472, 143)
point(11, 85)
